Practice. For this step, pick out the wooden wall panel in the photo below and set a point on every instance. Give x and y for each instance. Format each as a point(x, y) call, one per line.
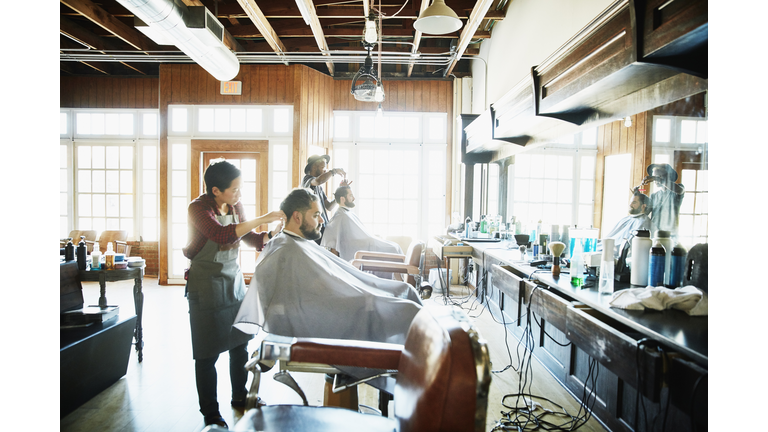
point(108, 92)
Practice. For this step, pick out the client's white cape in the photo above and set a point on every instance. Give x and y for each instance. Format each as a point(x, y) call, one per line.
point(347, 235)
point(299, 289)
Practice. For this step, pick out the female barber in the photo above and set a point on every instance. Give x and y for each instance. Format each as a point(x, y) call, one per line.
point(215, 284)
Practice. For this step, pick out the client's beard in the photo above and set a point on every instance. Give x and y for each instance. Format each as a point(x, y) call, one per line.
point(349, 205)
point(310, 234)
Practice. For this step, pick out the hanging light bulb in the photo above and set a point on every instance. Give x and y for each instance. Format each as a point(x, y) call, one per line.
point(628, 122)
point(379, 111)
point(378, 95)
point(370, 36)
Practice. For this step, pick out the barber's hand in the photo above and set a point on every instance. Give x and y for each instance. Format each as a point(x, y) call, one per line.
point(277, 229)
point(275, 215)
point(339, 171)
point(345, 182)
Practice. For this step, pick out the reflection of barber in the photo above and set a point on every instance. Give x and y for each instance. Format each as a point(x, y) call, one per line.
point(317, 174)
point(215, 285)
point(666, 201)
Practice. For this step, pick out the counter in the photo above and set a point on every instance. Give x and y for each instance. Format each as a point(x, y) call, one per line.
point(660, 355)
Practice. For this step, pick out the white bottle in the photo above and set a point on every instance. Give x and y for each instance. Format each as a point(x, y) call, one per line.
point(606, 268)
point(109, 258)
point(96, 257)
point(666, 241)
point(641, 248)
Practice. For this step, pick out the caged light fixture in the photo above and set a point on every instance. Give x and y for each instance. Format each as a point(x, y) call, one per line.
point(370, 88)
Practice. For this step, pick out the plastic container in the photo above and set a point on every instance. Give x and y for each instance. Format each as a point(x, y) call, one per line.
point(69, 250)
point(96, 257)
point(577, 265)
point(677, 267)
point(641, 249)
point(666, 241)
point(109, 258)
point(606, 268)
point(82, 254)
point(656, 262)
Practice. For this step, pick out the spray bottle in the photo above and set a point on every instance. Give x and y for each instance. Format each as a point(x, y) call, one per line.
point(577, 265)
point(606, 267)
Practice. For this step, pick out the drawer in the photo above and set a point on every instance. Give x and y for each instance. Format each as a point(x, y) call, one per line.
point(506, 281)
point(615, 346)
point(547, 305)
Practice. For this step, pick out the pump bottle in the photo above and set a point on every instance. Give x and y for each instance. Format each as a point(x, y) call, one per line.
point(109, 258)
point(81, 254)
point(96, 257)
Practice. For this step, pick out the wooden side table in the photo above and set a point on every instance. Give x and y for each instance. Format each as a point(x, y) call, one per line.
point(104, 276)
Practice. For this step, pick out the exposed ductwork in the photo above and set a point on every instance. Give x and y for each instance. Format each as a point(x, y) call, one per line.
point(193, 32)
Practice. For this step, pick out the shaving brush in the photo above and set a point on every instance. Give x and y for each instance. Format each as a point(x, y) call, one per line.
point(556, 248)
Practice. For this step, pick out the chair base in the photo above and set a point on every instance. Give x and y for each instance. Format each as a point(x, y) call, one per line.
point(316, 419)
point(343, 399)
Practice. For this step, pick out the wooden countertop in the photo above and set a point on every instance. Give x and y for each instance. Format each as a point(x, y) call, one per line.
point(674, 328)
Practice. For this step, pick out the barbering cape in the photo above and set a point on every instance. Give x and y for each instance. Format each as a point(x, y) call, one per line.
point(347, 234)
point(625, 229)
point(300, 289)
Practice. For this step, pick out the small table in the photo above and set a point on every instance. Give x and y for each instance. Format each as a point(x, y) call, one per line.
point(104, 276)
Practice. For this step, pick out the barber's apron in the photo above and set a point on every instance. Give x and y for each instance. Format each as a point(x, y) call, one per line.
point(215, 289)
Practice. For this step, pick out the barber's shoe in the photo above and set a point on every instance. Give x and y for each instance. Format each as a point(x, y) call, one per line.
point(215, 419)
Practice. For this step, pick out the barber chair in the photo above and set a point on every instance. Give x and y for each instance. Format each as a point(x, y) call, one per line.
point(443, 378)
point(409, 266)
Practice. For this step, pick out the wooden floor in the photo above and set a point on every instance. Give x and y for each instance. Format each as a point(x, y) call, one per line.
point(159, 393)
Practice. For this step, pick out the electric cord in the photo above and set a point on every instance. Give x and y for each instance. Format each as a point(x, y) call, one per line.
point(694, 392)
point(663, 408)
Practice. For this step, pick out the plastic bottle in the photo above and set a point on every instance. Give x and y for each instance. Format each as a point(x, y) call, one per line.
point(677, 267)
point(641, 249)
point(82, 253)
point(96, 257)
point(109, 258)
point(577, 265)
point(467, 227)
point(666, 241)
point(607, 267)
point(656, 265)
point(69, 250)
point(483, 224)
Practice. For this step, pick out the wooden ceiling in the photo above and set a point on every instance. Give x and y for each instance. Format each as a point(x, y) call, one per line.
point(98, 37)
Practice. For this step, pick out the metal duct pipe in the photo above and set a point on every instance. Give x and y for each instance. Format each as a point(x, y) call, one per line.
point(168, 16)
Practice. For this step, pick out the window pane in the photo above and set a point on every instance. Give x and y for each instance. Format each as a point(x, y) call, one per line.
point(586, 191)
point(702, 203)
point(83, 205)
point(149, 205)
point(237, 119)
point(179, 263)
point(179, 210)
point(99, 205)
point(126, 181)
point(587, 167)
point(113, 181)
point(63, 180)
point(702, 183)
point(98, 156)
point(63, 123)
point(149, 229)
point(564, 191)
point(113, 206)
point(382, 127)
point(565, 167)
point(222, 120)
point(437, 128)
point(663, 130)
point(687, 205)
point(688, 131)
point(63, 203)
point(83, 180)
point(178, 119)
point(179, 235)
point(126, 205)
point(97, 124)
point(112, 123)
point(149, 181)
point(113, 157)
point(126, 157)
point(179, 183)
point(248, 168)
point(396, 125)
point(279, 181)
point(688, 179)
point(83, 156)
point(83, 123)
point(254, 120)
point(281, 120)
point(126, 124)
point(550, 190)
point(551, 166)
point(367, 127)
point(411, 128)
point(341, 126)
point(98, 224)
point(149, 124)
point(84, 223)
point(536, 190)
point(179, 157)
point(701, 132)
point(589, 137)
point(280, 157)
point(585, 216)
point(522, 186)
point(205, 120)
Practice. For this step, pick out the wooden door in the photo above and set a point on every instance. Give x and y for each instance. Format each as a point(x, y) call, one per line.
point(251, 158)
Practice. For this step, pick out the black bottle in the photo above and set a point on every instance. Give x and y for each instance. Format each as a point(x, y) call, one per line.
point(82, 253)
point(69, 250)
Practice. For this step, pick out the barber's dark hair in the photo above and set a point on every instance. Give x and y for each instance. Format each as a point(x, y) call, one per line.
point(220, 174)
point(644, 199)
point(341, 191)
point(299, 199)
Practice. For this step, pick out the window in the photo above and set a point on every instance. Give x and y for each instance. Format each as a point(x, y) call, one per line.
point(108, 172)
point(554, 185)
point(399, 180)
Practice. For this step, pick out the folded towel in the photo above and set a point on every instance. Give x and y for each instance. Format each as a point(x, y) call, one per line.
point(688, 299)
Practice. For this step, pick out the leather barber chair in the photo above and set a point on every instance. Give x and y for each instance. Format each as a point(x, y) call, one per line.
point(442, 383)
point(410, 266)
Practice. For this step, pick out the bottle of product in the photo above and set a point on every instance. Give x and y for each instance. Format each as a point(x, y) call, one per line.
point(467, 227)
point(109, 258)
point(69, 250)
point(641, 249)
point(606, 267)
point(666, 241)
point(577, 265)
point(96, 257)
point(81, 253)
point(656, 261)
point(483, 224)
point(677, 267)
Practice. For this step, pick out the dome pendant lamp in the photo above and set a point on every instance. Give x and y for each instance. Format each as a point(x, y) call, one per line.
point(438, 19)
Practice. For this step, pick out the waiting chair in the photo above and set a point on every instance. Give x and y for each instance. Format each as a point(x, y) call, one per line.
point(443, 378)
point(409, 266)
point(90, 236)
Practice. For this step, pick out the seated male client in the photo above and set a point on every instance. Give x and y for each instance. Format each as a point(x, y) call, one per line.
point(301, 289)
point(636, 219)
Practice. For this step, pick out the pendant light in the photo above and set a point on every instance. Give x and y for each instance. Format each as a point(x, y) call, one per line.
point(366, 91)
point(438, 19)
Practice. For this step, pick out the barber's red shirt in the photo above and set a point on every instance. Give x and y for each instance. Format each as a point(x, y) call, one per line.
point(203, 226)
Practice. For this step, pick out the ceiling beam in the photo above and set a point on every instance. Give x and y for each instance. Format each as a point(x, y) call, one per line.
point(470, 28)
point(257, 17)
point(111, 24)
point(317, 31)
point(75, 32)
point(417, 37)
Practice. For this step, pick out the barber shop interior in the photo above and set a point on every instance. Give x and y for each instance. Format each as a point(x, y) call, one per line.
point(427, 215)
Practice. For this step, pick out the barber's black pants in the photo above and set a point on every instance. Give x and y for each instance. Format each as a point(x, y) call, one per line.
point(205, 377)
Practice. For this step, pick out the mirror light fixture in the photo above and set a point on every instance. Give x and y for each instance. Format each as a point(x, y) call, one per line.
point(370, 36)
point(169, 22)
point(438, 19)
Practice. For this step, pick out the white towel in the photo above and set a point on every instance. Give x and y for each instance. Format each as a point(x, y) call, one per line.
point(688, 299)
